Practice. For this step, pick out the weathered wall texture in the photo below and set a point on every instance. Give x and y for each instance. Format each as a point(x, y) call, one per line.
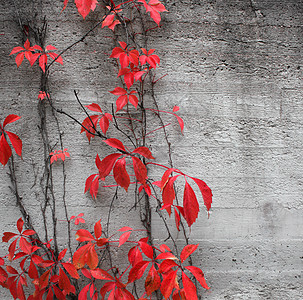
point(235, 69)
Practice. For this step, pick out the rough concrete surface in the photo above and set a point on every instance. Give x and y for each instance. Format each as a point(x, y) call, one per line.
point(235, 69)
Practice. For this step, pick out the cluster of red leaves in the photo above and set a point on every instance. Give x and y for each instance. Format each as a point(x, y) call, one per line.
point(5, 149)
point(84, 6)
point(42, 95)
point(52, 277)
point(154, 7)
point(35, 52)
point(161, 276)
point(110, 21)
point(58, 154)
point(117, 163)
point(43, 273)
point(77, 219)
point(129, 60)
point(190, 207)
point(90, 123)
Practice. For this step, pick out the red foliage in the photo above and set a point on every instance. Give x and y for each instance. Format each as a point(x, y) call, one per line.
point(35, 52)
point(5, 149)
point(58, 154)
point(52, 274)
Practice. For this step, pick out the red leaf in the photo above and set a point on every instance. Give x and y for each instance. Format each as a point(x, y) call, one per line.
point(134, 255)
point(197, 272)
point(181, 122)
point(120, 174)
point(152, 282)
point(16, 142)
point(10, 119)
point(25, 246)
point(32, 271)
point(80, 256)
point(189, 288)
point(83, 235)
point(54, 57)
point(43, 280)
point(115, 143)
point(50, 47)
point(190, 204)
point(205, 191)
point(7, 236)
point(85, 6)
point(146, 249)
point(19, 59)
point(43, 62)
point(177, 219)
point(16, 50)
point(92, 257)
point(118, 91)
point(125, 228)
point(89, 181)
point(168, 283)
point(154, 7)
point(20, 290)
point(101, 274)
point(102, 242)
point(11, 270)
point(124, 237)
point(176, 108)
point(133, 100)
point(72, 271)
point(165, 177)
point(166, 255)
point(144, 151)
point(104, 124)
point(64, 282)
point(20, 224)
point(29, 232)
point(62, 254)
point(137, 270)
point(58, 293)
point(5, 150)
point(167, 265)
point(11, 249)
point(187, 251)
point(90, 123)
point(98, 229)
point(107, 164)
point(121, 102)
point(50, 295)
point(83, 293)
point(94, 107)
point(164, 248)
point(168, 193)
point(140, 170)
point(117, 51)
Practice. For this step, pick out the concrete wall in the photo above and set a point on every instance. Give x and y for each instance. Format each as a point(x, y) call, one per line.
point(235, 69)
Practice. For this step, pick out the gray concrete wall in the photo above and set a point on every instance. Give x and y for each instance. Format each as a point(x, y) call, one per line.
point(235, 69)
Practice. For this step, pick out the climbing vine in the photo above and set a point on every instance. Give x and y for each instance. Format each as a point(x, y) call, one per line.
point(37, 267)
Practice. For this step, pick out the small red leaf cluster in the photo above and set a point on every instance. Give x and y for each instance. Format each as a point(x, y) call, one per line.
point(116, 162)
point(89, 125)
point(35, 52)
point(58, 154)
point(190, 207)
point(5, 149)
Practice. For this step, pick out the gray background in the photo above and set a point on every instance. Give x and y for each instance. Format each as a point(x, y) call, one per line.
point(235, 70)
